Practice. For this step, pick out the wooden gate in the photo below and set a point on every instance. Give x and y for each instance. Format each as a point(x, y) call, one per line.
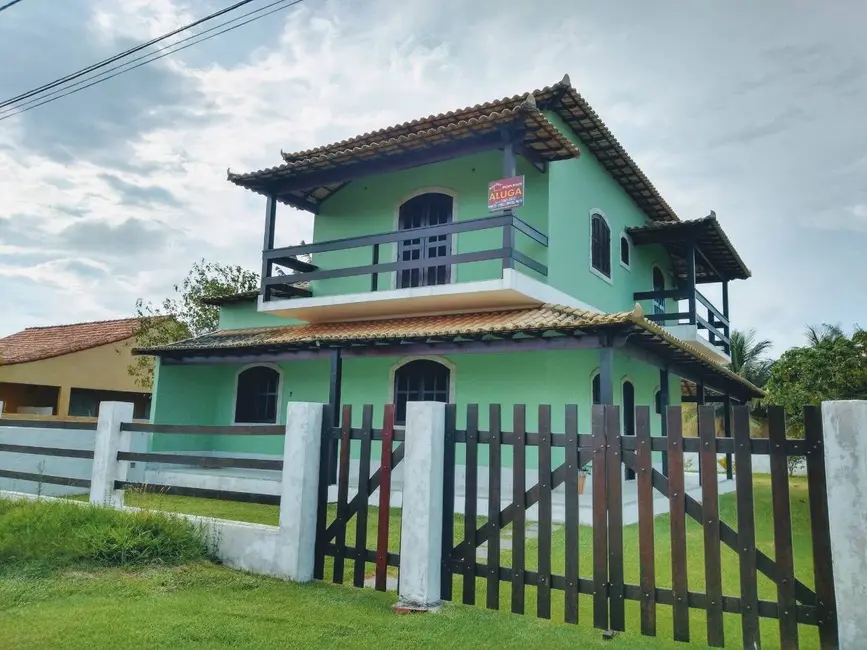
point(609, 453)
point(331, 532)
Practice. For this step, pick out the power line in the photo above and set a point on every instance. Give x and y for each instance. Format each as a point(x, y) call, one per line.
point(19, 107)
point(40, 101)
point(133, 50)
point(9, 4)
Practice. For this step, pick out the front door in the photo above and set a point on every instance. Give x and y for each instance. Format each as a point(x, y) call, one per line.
point(423, 211)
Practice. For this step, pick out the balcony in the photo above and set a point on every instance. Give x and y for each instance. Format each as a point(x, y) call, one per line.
point(496, 262)
point(701, 322)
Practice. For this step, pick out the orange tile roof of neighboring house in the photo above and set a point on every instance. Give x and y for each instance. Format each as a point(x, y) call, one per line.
point(537, 320)
point(36, 343)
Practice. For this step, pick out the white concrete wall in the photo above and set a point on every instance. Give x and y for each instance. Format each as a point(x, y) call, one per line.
point(250, 547)
point(48, 465)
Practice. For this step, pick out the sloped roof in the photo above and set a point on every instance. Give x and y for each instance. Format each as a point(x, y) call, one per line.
point(561, 98)
point(308, 187)
point(36, 343)
point(726, 263)
point(538, 320)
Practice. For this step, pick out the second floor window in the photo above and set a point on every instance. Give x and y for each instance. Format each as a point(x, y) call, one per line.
point(256, 396)
point(600, 245)
point(624, 251)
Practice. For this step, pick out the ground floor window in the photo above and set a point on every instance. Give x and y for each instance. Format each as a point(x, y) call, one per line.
point(256, 397)
point(418, 381)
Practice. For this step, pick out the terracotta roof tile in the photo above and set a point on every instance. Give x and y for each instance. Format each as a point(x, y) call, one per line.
point(534, 320)
point(35, 343)
point(561, 98)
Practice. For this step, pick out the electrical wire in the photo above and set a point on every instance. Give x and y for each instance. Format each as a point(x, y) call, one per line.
point(116, 57)
point(9, 4)
point(17, 108)
point(40, 101)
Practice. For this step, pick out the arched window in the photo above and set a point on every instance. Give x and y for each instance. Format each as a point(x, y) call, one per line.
point(624, 251)
point(257, 395)
point(597, 389)
point(424, 211)
point(657, 400)
point(422, 380)
point(658, 285)
point(600, 245)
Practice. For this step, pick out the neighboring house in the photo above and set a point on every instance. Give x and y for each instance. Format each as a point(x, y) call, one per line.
point(67, 370)
point(418, 292)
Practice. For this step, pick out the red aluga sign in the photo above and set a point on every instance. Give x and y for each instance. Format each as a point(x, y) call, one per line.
point(506, 193)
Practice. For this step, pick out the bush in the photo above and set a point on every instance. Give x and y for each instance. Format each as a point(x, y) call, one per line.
point(48, 535)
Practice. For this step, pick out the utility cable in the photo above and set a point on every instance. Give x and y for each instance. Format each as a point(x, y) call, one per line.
point(116, 57)
point(40, 101)
point(9, 4)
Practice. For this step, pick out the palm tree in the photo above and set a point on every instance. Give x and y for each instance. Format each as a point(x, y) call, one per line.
point(749, 360)
point(748, 357)
point(822, 333)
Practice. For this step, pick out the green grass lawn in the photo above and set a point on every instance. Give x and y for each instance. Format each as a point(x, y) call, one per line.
point(202, 606)
point(583, 632)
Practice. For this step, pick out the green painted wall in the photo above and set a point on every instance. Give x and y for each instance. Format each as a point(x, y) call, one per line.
point(575, 188)
point(246, 314)
point(369, 206)
point(205, 395)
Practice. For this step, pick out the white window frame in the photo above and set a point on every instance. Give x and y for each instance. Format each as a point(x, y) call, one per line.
point(272, 366)
point(593, 269)
point(453, 371)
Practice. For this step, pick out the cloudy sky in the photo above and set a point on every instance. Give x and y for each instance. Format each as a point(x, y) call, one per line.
point(752, 109)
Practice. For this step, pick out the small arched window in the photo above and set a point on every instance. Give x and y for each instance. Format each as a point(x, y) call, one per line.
point(657, 400)
point(257, 395)
point(624, 251)
point(600, 245)
point(422, 380)
point(597, 389)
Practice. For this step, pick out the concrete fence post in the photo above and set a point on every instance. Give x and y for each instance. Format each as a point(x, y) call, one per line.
point(299, 492)
point(844, 425)
point(109, 440)
point(421, 526)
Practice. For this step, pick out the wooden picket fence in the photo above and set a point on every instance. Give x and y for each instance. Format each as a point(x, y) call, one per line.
point(609, 454)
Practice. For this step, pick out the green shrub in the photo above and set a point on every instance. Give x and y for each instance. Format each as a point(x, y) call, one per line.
point(47, 535)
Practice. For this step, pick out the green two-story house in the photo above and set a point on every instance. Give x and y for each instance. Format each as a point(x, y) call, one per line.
point(420, 285)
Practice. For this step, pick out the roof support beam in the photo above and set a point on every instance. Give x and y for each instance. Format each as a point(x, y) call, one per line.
point(717, 384)
point(573, 342)
point(394, 162)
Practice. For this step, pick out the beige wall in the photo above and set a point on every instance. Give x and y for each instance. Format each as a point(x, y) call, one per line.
point(103, 367)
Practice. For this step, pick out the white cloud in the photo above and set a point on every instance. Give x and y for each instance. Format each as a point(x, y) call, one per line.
point(748, 131)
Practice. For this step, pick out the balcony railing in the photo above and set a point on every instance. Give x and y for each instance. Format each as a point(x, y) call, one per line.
point(420, 256)
point(700, 312)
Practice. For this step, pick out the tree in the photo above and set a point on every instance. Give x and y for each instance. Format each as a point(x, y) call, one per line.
point(832, 367)
point(186, 315)
point(748, 357)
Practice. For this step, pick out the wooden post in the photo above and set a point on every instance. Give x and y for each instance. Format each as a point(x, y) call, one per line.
point(727, 425)
point(700, 400)
point(725, 306)
point(690, 280)
point(606, 373)
point(509, 170)
point(334, 389)
point(664, 401)
point(267, 245)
